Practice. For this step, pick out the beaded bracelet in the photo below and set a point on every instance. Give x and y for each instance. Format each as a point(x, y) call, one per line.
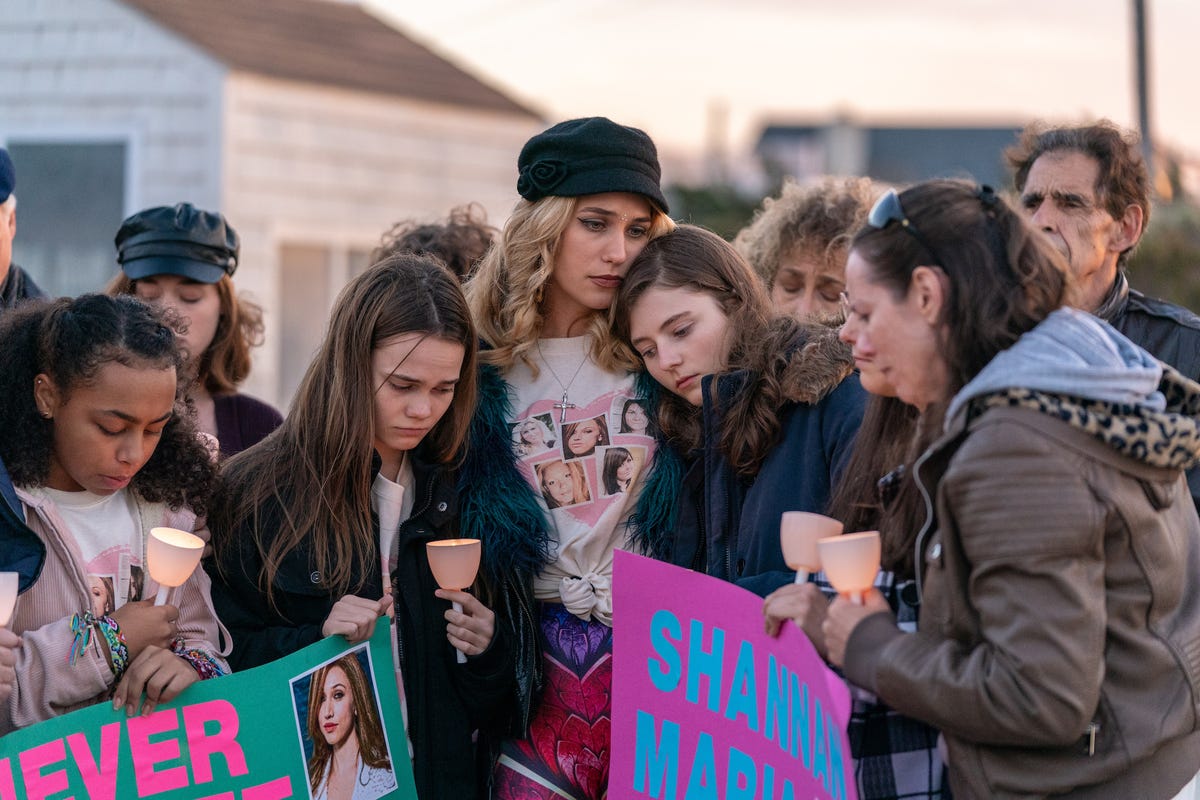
point(82, 628)
point(118, 651)
point(205, 665)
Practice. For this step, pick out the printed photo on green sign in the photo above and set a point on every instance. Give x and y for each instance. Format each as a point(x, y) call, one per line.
point(339, 721)
point(269, 733)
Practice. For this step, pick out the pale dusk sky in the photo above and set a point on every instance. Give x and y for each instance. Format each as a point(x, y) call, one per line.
point(662, 64)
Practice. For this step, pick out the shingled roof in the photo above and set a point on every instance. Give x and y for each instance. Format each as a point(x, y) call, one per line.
point(318, 41)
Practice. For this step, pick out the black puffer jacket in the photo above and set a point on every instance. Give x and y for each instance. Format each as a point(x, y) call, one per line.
point(447, 701)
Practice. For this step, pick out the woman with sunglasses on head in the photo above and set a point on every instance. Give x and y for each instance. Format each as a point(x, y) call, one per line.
point(1058, 551)
point(321, 528)
point(590, 201)
point(765, 407)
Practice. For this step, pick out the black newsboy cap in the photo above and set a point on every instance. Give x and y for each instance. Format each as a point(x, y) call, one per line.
point(177, 240)
point(592, 155)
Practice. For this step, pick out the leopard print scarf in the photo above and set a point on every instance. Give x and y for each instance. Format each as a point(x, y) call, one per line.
point(1169, 438)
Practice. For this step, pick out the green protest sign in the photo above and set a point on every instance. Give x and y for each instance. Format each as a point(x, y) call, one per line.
point(263, 734)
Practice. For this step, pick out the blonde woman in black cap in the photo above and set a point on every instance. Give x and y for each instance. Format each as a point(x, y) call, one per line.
point(184, 258)
point(591, 201)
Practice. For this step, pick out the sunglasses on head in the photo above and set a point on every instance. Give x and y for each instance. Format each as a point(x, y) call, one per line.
point(888, 210)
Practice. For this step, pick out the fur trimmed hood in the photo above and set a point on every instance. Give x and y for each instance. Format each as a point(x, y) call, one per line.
point(811, 363)
point(807, 356)
point(819, 363)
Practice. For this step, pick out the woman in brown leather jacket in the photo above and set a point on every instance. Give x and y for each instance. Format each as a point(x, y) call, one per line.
point(1058, 647)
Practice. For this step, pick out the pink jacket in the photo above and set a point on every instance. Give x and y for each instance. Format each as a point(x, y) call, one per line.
point(47, 684)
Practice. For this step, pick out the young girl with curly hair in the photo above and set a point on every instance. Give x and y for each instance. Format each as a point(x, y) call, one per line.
point(101, 448)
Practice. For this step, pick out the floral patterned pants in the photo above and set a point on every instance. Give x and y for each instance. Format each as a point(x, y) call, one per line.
point(567, 753)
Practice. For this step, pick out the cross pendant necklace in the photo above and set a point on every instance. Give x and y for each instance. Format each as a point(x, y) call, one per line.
point(564, 404)
point(562, 408)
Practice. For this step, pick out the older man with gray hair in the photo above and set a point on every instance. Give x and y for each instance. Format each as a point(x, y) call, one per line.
point(15, 283)
point(1087, 188)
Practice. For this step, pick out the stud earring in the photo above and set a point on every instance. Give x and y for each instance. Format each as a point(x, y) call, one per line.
point(541, 293)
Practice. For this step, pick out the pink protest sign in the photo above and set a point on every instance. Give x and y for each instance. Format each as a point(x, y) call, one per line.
point(706, 705)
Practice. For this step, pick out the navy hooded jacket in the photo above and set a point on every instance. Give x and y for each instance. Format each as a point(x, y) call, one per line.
point(727, 525)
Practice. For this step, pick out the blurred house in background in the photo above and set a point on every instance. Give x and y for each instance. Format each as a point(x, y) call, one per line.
point(889, 153)
point(311, 125)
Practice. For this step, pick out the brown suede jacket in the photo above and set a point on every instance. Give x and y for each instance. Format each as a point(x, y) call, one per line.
point(1059, 641)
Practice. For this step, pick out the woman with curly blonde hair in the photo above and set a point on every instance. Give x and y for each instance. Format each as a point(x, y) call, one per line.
point(541, 299)
point(798, 241)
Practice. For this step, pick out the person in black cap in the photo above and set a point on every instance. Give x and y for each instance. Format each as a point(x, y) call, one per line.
point(183, 257)
point(590, 201)
point(15, 283)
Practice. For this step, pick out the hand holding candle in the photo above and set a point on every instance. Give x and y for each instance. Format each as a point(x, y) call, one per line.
point(798, 535)
point(851, 562)
point(455, 563)
point(171, 558)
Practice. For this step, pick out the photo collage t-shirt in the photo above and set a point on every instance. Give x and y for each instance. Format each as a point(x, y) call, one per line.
point(585, 458)
point(109, 535)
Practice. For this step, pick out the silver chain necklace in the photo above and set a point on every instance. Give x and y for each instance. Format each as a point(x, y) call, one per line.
point(566, 387)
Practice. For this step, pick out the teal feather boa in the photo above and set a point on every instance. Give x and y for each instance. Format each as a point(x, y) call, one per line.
point(652, 524)
point(496, 504)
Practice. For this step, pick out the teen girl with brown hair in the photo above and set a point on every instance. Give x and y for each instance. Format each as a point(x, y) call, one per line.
point(321, 528)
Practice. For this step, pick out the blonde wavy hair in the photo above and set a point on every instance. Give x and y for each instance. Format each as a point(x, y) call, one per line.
point(505, 293)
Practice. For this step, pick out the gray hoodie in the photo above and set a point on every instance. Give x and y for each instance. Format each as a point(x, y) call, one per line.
point(1074, 354)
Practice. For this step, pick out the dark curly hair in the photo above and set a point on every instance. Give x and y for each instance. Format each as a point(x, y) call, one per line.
point(459, 242)
point(69, 341)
